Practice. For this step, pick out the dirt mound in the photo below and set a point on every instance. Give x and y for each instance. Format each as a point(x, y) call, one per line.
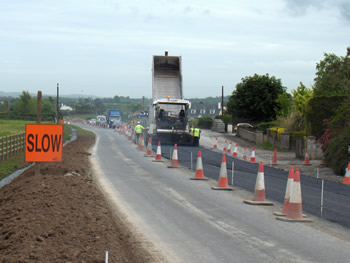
point(60, 216)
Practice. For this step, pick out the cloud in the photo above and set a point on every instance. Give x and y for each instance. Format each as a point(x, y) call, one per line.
point(188, 10)
point(301, 7)
point(345, 10)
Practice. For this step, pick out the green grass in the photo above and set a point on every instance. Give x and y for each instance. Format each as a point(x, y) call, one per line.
point(67, 131)
point(12, 165)
point(81, 131)
point(10, 127)
point(268, 146)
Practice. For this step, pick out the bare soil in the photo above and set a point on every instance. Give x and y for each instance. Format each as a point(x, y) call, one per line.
point(61, 216)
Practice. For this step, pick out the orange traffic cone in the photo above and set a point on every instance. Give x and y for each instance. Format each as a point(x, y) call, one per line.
point(252, 158)
point(199, 169)
point(216, 144)
point(229, 147)
point(244, 154)
point(174, 159)
point(222, 182)
point(149, 152)
point(235, 150)
point(287, 194)
point(159, 154)
point(259, 191)
point(307, 161)
point(274, 160)
point(141, 144)
point(347, 175)
point(225, 146)
point(295, 210)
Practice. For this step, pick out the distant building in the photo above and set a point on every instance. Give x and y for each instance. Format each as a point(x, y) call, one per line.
point(65, 108)
point(204, 110)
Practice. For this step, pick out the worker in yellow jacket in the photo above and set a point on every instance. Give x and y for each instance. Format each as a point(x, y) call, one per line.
point(138, 131)
point(196, 136)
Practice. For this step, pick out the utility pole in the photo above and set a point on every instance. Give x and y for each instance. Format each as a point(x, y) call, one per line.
point(57, 103)
point(38, 113)
point(222, 101)
point(38, 120)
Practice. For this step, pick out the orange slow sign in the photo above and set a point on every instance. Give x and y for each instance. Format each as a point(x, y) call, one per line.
point(44, 143)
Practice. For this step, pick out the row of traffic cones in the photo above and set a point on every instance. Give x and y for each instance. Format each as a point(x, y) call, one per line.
point(235, 150)
point(292, 210)
point(252, 158)
point(292, 207)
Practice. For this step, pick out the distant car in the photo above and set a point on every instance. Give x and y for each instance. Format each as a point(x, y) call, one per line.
point(247, 125)
point(92, 121)
point(101, 120)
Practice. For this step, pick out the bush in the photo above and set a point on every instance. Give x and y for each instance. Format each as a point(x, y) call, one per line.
point(262, 126)
point(297, 135)
point(227, 118)
point(294, 122)
point(278, 130)
point(193, 122)
point(319, 109)
point(205, 122)
point(336, 153)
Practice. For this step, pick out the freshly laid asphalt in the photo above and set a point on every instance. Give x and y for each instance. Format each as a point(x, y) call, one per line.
point(336, 197)
point(183, 221)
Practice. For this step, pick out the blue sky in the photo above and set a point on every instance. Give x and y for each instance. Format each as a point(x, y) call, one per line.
point(105, 47)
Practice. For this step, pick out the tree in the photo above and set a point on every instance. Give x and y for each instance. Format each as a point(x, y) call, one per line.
point(99, 106)
point(284, 100)
point(23, 107)
point(300, 97)
point(255, 98)
point(332, 76)
point(48, 110)
point(116, 99)
point(332, 79)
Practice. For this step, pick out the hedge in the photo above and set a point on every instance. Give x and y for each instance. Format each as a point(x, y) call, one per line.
point(319, 109)
point(205, 122)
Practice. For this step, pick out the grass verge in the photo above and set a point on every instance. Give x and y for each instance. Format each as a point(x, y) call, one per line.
point(81, 131)
point(268, 146)
point(12, 165)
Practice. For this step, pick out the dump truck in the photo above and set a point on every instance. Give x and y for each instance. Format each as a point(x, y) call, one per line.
point(114, 118)
point(168, 121)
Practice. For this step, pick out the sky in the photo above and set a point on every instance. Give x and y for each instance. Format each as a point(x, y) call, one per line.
point(105, 47)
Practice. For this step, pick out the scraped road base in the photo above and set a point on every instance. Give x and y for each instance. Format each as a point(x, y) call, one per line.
point(61, 216)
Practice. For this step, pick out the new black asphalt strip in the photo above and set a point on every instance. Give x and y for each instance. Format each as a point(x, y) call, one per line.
point(336, 196)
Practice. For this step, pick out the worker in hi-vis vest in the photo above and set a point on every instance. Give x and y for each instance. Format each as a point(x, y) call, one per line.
point(138, 131)
point(196, 135)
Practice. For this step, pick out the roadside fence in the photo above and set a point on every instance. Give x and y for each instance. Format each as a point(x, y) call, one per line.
point(11, 145)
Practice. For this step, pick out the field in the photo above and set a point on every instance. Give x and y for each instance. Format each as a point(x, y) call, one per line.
point(10, 127)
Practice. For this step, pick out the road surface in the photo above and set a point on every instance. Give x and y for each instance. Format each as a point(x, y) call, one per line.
point(188, 222)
